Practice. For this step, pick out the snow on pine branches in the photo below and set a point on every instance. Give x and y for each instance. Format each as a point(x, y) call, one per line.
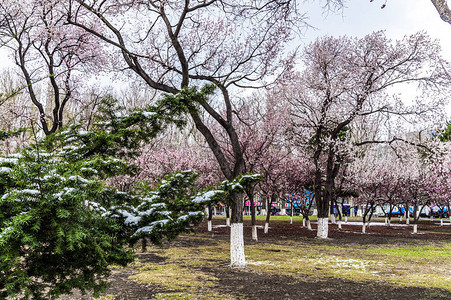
point(61, 222)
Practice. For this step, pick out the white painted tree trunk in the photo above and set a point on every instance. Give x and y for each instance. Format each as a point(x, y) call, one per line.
point(400, 219)
point(332, 219)
point(408, 221)
point(415, 228)
point(254, 233)
point(432, 218)
point(309, 225)
point(291, 219)
point(389, 222)
point(339, 224)
point(441, 222)
point(266, 227)
point(209, 225)
point(228, 222)
point(346, 219)
point(323, 228)
point(386, 220)
point(237, 258)
point(303, 222)
point(359, 212)
point(364, 228)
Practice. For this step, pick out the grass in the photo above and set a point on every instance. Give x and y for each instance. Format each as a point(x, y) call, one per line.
point(402, 265)
point(193, 266)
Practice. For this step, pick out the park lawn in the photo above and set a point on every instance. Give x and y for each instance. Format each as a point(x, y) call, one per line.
point(194, 264)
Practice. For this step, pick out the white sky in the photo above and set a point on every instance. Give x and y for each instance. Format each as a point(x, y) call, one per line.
point(398, 18)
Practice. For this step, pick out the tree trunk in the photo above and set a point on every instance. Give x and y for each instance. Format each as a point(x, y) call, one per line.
point(323, 229)
point(269, 201)
point(227, 209)
point(323, 211)
point(237, 258)
point(250, 195)
point(443, 10)
point(210, 217)
point(309, 225)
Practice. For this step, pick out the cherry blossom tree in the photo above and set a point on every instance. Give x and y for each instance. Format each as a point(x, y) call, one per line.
point(48, 55)
point(347, 80)
point(171, 45)
point(438, 181)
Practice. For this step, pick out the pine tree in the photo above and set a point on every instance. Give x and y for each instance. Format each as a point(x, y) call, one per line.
point(62, 225)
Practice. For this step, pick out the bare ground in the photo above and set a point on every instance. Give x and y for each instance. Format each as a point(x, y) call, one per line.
point(249, 284)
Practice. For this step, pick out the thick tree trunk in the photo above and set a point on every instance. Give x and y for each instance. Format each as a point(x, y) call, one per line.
point(323, 228)
point(237, 258)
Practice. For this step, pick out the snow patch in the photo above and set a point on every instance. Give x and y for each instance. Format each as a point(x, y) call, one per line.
point(5, 170)
point(206, 196)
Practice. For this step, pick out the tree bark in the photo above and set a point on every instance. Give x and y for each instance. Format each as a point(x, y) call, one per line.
point(250, 195)
point(237, 257)
point(443, 10)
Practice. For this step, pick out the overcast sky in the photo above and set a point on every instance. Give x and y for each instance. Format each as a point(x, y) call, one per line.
point(360, 17)
point(398, 18)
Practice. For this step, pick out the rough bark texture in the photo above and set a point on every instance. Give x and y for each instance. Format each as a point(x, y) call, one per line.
point(237, 208)
point(443, 10)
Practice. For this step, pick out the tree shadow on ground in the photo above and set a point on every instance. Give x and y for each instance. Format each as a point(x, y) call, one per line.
point(250, 285)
